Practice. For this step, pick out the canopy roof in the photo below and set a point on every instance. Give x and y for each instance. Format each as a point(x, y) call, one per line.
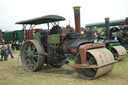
point(42, 20)
point(102, 24)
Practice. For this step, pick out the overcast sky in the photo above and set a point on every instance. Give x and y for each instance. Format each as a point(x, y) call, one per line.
point(12, 11)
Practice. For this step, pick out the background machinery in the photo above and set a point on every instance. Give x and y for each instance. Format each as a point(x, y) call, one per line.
point(110, 39)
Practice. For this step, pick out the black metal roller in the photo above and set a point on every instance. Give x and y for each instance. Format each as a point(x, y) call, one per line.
point(86, 73)
point(32, 55)
point(58, 64)
point(115, 54)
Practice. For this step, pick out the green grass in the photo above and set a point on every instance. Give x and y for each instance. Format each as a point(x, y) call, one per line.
point(15, 52)
point(10, 75)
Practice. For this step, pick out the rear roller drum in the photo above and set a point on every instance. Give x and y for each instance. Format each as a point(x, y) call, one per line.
point(100, 57)
point(32, 55)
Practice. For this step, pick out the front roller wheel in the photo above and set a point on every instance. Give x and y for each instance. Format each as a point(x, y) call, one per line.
point(87, 73)
point(32, 55)
point(120, 51)
point(100, 57)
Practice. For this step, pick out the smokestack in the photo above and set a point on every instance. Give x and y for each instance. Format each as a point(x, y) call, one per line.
point(77, 18)
point(107, 28)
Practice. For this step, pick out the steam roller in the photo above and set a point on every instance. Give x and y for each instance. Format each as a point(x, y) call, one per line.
point(91, 61)
point(110, 38)
point(113, 44)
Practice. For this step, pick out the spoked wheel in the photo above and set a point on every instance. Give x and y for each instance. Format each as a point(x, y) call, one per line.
point(101, 57)
point(87, 73)
point(32, 55)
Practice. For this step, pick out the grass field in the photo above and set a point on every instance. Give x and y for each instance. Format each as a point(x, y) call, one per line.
point(11, 75)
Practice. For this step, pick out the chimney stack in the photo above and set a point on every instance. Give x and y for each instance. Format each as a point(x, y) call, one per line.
point(77, 18)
